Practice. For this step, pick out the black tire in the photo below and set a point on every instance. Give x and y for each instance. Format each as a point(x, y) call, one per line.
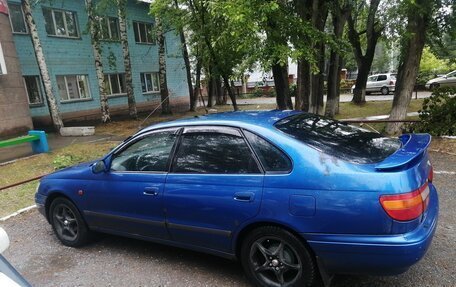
point(272, 256)
point(368, 93)
point(67, 223)
point(434, 86)
point(385, 91)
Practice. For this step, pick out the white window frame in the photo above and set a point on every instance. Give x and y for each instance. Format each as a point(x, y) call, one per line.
point(118, 75)
point(106, 20)
point(136, 28)
point(23, 19)
point(3, 70)
point(40, 92)
point(154, 89)
point(76, 23)
point(68, 100)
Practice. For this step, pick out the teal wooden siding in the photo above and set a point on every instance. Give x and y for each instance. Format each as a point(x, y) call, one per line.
point(65, 56)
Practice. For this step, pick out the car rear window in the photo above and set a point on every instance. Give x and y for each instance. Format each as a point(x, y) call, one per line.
point(338, 139)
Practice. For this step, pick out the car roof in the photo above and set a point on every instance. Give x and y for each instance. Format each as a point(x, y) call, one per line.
point(239, 118)
point(383, 74)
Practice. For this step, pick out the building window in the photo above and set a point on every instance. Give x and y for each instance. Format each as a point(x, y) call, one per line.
point(143, 33)
point(149, 82)
point(33, 88)
point(61, 23)
point(115, 84)
point(74, 87)
point(109, 28)
point(17, 19)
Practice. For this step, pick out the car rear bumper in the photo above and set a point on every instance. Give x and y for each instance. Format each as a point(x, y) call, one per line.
point(376, 255)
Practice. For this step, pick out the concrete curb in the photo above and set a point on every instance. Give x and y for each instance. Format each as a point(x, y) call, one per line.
point(17, 212)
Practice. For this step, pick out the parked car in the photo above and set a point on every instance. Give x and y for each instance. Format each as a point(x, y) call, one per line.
point(282, 191)
point(448, 80)
point(9, 277)
point(380, 83)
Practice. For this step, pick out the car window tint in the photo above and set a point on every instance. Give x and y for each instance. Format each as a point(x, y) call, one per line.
point(338, 139)
point(381, 78)
point(148, 154)
point(216, 153)
point(272, 158)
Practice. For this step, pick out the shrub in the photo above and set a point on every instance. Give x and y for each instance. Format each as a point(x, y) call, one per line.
point(438, 115)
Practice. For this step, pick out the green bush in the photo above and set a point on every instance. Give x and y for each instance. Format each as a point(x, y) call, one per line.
point(438, 115)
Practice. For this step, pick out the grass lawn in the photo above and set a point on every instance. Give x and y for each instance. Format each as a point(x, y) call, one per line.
point(19, 197)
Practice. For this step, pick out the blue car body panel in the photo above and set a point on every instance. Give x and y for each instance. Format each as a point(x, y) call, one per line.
point(333, 204)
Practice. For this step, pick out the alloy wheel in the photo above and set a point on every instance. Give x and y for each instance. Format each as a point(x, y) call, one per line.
point(66, 224)
point(275, 262)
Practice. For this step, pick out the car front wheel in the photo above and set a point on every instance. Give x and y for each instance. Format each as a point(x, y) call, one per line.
point(272, 256)
point(67, 223)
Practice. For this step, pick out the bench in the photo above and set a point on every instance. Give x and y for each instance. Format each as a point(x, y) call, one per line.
point(36, 138)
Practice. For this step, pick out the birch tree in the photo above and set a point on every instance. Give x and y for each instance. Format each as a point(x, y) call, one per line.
point(164, 93)
point(38, 49)
point(94, 29)
point(122, 14)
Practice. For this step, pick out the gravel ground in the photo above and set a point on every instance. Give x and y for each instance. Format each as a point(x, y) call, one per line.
point(116, 261)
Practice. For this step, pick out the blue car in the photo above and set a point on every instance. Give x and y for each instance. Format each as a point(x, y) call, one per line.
point(291, 195)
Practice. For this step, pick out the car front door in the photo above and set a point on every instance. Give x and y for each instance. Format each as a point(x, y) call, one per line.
point(370, 85)
point(129, 198)
point(215, 185)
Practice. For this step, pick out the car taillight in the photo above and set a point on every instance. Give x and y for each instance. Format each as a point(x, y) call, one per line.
point(431, 174)
point(391, 83)
point(406, 206)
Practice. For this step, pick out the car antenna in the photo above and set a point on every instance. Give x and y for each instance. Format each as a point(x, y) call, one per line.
point(140, 127)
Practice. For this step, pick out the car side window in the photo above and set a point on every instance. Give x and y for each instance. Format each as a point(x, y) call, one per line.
point(150, 153)
point(272, 158)
point(213, 152)
point(381, 78)
point(372, 78)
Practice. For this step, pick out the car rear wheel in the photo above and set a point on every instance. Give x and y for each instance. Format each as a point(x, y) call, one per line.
point(272, 256)
point(67, 223)
point(385, 91)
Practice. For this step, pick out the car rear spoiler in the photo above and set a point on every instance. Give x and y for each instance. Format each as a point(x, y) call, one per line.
point(413, 146)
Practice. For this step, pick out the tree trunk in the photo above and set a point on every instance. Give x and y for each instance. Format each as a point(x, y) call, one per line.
point(280, 74)
point(218, 91)
point(320, 12)
point(409, 65)
point(95, 37)
point(307, 83)
point(164, 93)
point(121, 11)
point(364, 61)
point(299, 86)
point(198, 82)
point(210, 90)
point(192, 97)
point(50, 98)
point(339, 16)
point(231, 94)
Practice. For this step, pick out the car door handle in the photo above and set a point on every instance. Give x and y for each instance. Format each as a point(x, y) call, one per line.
point(244, 196)
point(151, 191)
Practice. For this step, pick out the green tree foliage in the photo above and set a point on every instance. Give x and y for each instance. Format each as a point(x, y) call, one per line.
point(438, 115)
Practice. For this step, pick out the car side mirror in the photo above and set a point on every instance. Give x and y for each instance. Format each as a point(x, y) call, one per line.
point(4, 240)
point(99, 167)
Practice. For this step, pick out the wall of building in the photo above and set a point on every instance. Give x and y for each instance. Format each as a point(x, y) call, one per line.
point(68, 56)
point(14, 110)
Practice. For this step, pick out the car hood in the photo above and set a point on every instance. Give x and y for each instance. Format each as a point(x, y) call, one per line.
point(72, 172)
point(435, 80)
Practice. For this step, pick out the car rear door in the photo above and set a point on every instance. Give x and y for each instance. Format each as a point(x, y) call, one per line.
point(382, 80)
point(129, 198)
point(215, 185)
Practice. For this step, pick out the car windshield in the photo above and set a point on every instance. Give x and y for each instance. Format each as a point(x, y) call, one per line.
point(372, 78)
point(452, 74)
point(338, 139)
